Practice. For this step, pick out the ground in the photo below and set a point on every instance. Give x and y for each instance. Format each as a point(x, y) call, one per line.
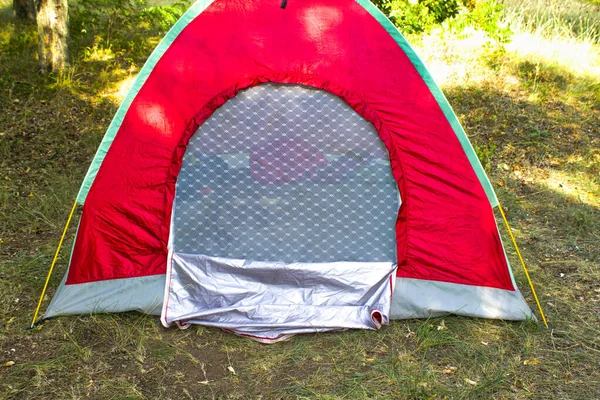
point(531, 107)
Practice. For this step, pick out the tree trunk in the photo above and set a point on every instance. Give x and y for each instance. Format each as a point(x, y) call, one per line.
point(53, 23)
point(24, 9)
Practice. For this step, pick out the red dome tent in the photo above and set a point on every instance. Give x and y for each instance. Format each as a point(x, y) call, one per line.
point(257, 163)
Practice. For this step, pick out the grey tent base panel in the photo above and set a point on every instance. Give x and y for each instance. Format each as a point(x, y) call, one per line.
point(143, 294)
point(413, 298)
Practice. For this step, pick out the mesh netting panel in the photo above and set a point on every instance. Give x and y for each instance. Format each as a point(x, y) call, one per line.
point(286, 173)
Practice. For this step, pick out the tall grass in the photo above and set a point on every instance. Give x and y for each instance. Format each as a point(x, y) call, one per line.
point(559, 40)
point(567, 19)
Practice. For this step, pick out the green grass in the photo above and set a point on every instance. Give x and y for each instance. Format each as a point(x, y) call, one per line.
point(551, 18)
point(533, 116)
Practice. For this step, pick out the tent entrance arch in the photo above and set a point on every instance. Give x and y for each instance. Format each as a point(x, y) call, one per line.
point(293, 178)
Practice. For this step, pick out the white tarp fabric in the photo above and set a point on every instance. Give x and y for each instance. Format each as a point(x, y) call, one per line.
point(272, 301)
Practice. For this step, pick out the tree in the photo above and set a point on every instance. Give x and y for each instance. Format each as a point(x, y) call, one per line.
point(53, 30)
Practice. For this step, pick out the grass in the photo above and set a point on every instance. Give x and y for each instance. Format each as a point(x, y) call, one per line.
point(566, 19)
point(533, 114)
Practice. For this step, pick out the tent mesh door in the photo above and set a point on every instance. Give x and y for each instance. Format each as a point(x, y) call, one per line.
point(286, 173)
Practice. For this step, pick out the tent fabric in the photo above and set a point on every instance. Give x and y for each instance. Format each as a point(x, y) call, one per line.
point(416, 298)
point(447, 245)
point(322, 50)
point(144, 294)
point(196, 8)
point(291, 194)
point(439, 96)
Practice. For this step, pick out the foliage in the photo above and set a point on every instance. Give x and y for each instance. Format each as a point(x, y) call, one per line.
point(414, 16)
point(417, 16)
point(486, 16)
point(19, 43)
point(421, 16)
point(486, 153)
point(555, 19)
point(163, 16)
point(121, 25)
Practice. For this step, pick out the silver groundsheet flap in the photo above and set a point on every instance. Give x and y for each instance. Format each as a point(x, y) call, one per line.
point(271, 301)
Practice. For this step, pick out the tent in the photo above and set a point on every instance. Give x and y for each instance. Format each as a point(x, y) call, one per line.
point(280, 168)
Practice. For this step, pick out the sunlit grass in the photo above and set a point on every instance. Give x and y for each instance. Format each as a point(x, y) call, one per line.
point(565, 19)
point(576, 186)
point(577, 56)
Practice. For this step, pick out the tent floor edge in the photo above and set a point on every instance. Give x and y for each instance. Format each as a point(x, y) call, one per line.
point(412, 298)
point(417, 298)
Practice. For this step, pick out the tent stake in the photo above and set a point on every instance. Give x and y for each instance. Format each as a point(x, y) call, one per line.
point(523, 264)
point(39, 305)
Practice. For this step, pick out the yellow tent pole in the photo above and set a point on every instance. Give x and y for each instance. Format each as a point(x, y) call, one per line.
point(523, 264)
point(39, 305)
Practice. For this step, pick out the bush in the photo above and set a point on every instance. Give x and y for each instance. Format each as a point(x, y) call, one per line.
point(486, 16)
point(417, 16)
point(121, 26)
point(414, 16)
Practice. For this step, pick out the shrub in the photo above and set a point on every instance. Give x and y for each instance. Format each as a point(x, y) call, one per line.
point(414, 16)
point(121, 26)
point(486, 16)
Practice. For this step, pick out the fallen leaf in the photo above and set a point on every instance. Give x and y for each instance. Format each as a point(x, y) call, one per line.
point(441, 326)
point(533, 361)
point(8, 364)
point(449, 371)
